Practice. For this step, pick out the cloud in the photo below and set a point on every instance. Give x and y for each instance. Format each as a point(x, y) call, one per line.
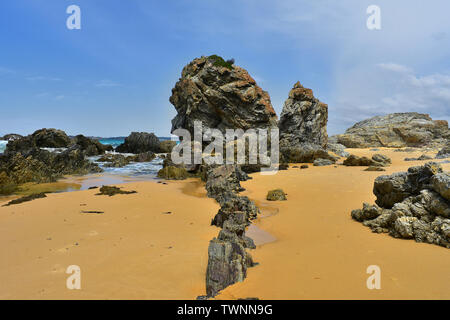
point(60, 97)
point(394, 67)
point(107, 83)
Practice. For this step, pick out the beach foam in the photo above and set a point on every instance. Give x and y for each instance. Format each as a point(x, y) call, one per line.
point(3, 144)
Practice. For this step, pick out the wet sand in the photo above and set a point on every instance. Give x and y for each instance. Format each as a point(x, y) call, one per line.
point(134, 250)
point(321, 253)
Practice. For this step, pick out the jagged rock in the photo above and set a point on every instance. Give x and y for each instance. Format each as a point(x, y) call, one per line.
point(374, 168)
point(398, 186)
point(276, 195)
point(444, 152)
point(221, 96)
point(413, 205)
point(236, 205)
point(378, 160)
point(396, 130)
point(304, 153)
point(441, 184)
point(338, 149)
point(323, 162)
point(303, 133)
point(139, 142)
point(422, 157)
point(224, 181)
point(227, 264)
point(303, 119)
point(51, 138)
point(172, 173)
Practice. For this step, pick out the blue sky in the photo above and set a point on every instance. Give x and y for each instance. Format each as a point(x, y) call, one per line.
point(115, 75)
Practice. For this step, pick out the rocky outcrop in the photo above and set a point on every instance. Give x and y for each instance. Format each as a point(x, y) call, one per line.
point(222, 96)
point(228, 259)
point(396, 130)
point(377, 160)
point(51, 138)
point(303, 127)
point(140, 142)
point(444, 152)
point(90, 146)
point(166, 146)
point(411, 205)
point(322, 162)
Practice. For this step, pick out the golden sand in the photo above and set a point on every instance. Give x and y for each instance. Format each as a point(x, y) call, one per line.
point(308, 246)
point(134, 250)
point(321, 253)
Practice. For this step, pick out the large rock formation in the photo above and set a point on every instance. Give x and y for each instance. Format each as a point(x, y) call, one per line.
point(411, 205)
point(140, 142)
point(303, 119)
point(91, 146)
point(220, 95)
point(228, 259)
point(396, 130)
point(303, 127)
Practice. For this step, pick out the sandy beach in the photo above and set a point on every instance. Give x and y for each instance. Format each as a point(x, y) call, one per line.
point(308, 247)
point(134, 250)
point(321, 253)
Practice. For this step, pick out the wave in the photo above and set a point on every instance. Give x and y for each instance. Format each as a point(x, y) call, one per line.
point(134, 169)
point(3, 144)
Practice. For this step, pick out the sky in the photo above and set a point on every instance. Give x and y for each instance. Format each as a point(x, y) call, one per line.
point(115, 74)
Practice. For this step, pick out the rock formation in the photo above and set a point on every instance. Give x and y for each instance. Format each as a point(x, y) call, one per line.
point(377, 160)
point(228, 259)
point(139, 142)
point(396, 130)
point(411, 205)
point(444, 152)
point(220, 95)
point(91, 146)
point(303, 127)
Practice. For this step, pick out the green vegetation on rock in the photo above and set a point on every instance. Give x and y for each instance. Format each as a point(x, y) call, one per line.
point(220, 62)
point(173, 173)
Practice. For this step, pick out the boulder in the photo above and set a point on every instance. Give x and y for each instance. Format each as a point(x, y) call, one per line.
point(139, 142)
point(166, 146)
point(396, 130)
point(11, 137)
point(172, 173)
point(51, 138)
point(444, 152)
point(222, 96)
point(323, 162)
point(90, 146)
point(276, 195)
point(377, 160)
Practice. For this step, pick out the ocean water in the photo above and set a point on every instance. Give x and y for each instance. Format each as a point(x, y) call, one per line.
point(3, 144)
point(134, 169)
point(112, 141)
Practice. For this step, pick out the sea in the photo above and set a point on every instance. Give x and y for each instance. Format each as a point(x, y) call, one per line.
point(142, 170)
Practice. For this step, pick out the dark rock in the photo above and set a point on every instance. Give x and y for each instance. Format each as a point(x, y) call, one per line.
point(303, 119)
point(378, 160)
point(142, 157)
point(304, 166)
point(338, 149)
point(374, 168)
point(51, 138)
point(90, 146)
point(221, 96)
point(444, 152)
point(396, 130)
point(112, 190)
point(172, 173)
point(114, 160)
point(25, 199)
point(276, 195)
point(323, 162)
point(398, 186)
point(11, 137)
point(166, 146)
point(139, 142)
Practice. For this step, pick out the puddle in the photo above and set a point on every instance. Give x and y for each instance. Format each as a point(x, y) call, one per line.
point(259, 236)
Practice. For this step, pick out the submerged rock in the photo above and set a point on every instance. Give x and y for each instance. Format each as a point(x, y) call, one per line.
point(112, 191)
point(396, 130)
point(25, 199)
